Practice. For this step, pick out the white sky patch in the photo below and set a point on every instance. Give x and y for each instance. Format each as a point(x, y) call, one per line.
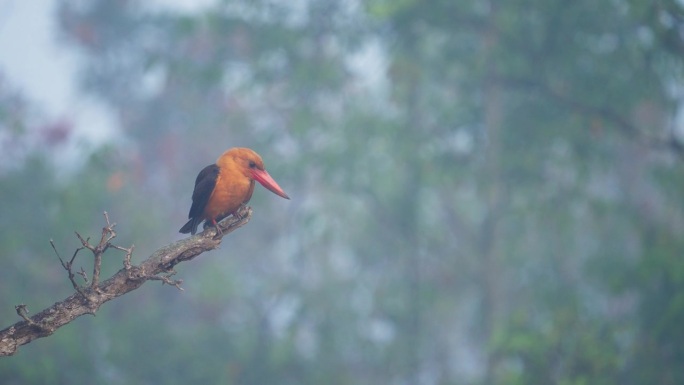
point(45, 71)
point(676, 91)
point(180, 6)
point(369, 65)
point(30, 57)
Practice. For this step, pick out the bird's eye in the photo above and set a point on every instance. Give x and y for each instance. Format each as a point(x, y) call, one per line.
point(252, 164)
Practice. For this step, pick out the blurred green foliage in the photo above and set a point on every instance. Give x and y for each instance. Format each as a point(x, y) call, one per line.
point(483, 193)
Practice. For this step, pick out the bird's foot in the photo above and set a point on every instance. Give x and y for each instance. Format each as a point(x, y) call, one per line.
point(219, 232)
point(241, 212)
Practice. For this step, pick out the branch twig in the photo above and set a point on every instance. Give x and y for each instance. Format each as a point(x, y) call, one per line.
point(87, 300)
point(23, 313)
point(166, 279)
point(68, 265)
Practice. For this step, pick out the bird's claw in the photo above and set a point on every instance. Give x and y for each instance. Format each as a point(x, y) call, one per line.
point(219, 232)
point(241, 212)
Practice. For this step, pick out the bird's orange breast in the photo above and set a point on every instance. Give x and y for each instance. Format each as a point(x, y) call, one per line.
point(231, 190)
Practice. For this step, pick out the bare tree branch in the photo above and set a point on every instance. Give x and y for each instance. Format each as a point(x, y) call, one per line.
point(667, 141)
point(88, 299)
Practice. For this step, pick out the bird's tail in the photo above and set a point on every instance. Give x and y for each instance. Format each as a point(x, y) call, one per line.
point(191, 226)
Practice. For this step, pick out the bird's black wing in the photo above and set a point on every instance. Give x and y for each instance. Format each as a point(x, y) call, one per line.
point(204, 186)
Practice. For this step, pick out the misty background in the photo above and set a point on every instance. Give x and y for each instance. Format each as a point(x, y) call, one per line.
point(483, 192)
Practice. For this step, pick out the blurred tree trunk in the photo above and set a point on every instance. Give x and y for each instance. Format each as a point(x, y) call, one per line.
point(412, 252)
point(491, 270)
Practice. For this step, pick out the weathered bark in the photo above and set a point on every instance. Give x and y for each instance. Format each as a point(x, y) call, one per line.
point(87, 300)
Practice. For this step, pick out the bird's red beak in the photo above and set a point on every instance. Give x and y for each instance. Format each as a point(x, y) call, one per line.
point(262, 177)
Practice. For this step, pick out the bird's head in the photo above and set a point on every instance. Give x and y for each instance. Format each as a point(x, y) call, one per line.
point(251, 166)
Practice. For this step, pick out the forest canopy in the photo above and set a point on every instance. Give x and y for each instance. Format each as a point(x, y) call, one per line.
point(482, 192)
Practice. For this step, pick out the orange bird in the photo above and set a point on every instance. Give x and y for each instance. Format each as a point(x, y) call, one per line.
point(221, 188)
